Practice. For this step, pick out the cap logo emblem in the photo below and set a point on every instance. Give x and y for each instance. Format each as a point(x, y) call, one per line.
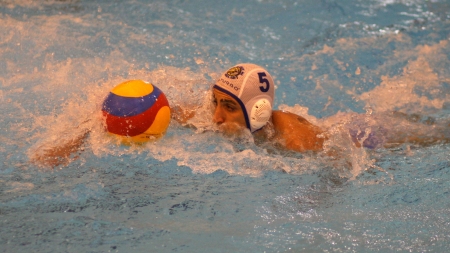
point(235, 72)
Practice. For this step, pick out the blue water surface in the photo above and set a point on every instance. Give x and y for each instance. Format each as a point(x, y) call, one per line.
point(379, 68)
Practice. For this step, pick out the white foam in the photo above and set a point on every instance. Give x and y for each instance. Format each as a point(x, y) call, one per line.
point(400, 92)
point(84, 82)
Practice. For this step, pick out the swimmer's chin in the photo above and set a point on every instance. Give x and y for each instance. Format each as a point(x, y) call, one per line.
point(232, 130)
point(226, 129)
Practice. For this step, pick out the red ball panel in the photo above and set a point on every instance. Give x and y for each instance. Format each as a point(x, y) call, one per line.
point(134, 125)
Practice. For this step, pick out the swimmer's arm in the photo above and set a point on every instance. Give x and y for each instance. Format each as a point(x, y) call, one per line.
point(421, 140)
point(59, 155)
point(425, 131)
point(52, 155)
point(296, 133)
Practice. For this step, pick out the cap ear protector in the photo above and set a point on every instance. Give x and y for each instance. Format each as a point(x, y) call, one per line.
point(260, 113)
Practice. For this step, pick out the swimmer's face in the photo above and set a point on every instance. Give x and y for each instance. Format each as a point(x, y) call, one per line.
point(228, 113)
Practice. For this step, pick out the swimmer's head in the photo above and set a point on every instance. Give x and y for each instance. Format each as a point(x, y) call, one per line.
point(253, 89)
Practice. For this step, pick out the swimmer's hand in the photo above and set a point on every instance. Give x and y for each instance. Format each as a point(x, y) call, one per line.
point(181, 115)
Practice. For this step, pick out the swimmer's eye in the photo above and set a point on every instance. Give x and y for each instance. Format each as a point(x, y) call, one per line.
point(229, 107)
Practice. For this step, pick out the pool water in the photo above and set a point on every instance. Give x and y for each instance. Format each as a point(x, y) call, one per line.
point(376, 69)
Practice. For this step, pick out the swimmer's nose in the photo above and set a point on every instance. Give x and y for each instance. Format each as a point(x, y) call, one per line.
point(218, 117)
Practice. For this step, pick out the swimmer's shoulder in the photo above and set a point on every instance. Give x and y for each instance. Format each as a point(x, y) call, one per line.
point(295, 132)
point(283, 117)
point(284, 121)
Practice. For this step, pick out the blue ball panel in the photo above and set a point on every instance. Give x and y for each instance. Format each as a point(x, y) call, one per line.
point(126, 106)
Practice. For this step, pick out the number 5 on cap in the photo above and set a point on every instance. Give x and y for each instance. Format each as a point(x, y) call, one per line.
point(263, 80)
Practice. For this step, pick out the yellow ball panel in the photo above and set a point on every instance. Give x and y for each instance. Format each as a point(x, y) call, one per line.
point(133, 88)
point(161, 123)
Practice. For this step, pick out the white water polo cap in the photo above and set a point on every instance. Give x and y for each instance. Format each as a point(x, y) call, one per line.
point(253, 88)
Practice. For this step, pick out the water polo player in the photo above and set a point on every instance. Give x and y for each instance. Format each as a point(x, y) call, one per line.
point(243, 98)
